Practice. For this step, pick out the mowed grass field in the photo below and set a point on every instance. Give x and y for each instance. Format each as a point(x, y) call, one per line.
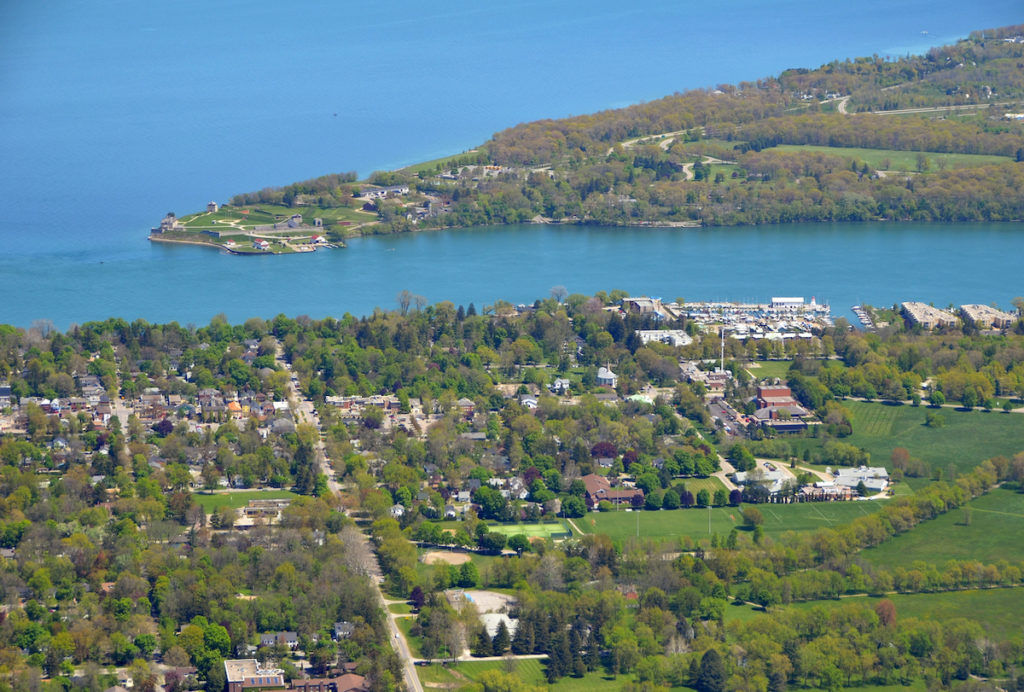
point(762, 369)
point(995, 533)
point(669, 524)
point(554, 530)
point(531, 671)
point(965, 439)
point(999, 611)
point(899, 160)
point(238, 499)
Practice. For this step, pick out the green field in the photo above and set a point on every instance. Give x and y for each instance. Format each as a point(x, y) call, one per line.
point(763, 369)
point(237, 499)
point(900, 160)
point(405, 624)
point(530, 671)
point(667, 524)
point(994, 533)
point(999, 611)
point(247, 218)
point(429, 166)
point(966, 438)
point(554, 530)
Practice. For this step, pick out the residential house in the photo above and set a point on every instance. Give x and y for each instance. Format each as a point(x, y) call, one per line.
point(289, 639)
point(343, 630)
point(598, 489)
point(560, 386)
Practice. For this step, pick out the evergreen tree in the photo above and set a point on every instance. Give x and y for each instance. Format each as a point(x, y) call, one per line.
point(483, 646)
point(501, 641)
point(711, 677)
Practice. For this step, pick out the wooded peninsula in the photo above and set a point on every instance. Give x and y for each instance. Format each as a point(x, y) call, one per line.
point(934, 137)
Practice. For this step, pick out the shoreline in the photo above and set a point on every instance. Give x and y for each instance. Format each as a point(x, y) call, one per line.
point(180, 241)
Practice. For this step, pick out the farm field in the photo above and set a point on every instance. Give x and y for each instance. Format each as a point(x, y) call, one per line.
point(778, 519)
point(238, 499)
point(879, 428)
point(997, 523)
point(899, 160)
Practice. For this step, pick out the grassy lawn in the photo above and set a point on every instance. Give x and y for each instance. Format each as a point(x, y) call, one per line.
point(711, 484)
point(762, 369)
point(667, 524)
point(965, 439)
point(557, 529)
point(445, 162)
point(238, 499)
point(900, 160)
point(999, 611)
point(400, 608)
point(530, 671)
point(997, 523)
point(247, 218)
point(405, 624)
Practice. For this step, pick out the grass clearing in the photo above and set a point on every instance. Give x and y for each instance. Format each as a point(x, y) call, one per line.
point(900, 160)
point(997, 523)
point(530, 671)
point(212, 502)
point(999, 611)
point(670, 524)
point(965, 439)
point(762, 369)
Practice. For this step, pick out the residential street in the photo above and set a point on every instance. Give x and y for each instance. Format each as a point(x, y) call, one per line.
point(305, 412)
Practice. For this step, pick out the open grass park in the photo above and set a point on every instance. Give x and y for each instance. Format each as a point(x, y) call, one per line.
point(878, 428)
point(237, 499)
point(246, 218)
point(763, 369)
point(699, 523)
point(993, 533)
point(530, 671)
point(894, 160)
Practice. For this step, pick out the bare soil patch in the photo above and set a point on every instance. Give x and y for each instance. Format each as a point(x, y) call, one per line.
point(436, 556)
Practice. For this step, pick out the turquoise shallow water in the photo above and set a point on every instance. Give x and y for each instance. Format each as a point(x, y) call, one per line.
point(116, 112)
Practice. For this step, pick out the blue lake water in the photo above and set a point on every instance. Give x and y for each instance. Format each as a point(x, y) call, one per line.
point(115, 112)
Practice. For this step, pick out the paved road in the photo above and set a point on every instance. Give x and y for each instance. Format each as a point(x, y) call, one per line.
point(305, 412)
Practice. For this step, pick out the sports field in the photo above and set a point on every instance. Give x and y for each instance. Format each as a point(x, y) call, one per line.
point(238, 499)
point(763, 369)
point(994, 533)
point(667, 524)
point(965, 439)
point(553, 530)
